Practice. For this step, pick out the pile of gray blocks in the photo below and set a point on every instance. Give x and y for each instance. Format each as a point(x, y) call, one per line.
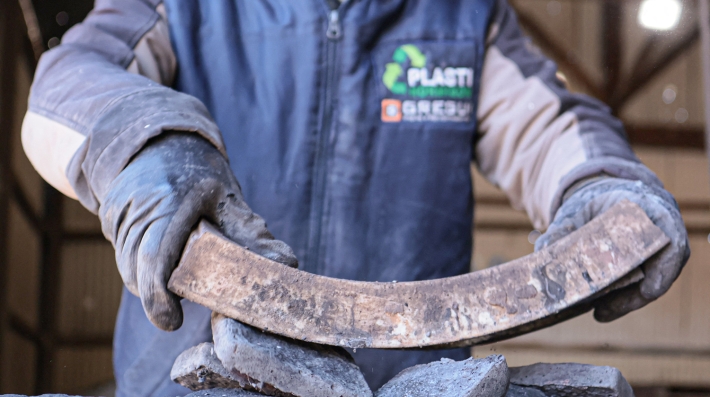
point(245, 361)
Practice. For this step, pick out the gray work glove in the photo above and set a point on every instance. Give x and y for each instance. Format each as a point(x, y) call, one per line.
point(154, 203)
point(591, 198)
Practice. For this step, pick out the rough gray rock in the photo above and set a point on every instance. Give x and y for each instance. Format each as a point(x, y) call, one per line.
point(571, 379)
point(198, 368)
point(519, 391)
point(286, 366)
point(223, 393)
point(487, 377)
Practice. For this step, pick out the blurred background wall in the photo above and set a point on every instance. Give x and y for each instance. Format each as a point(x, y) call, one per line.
point(59, 289)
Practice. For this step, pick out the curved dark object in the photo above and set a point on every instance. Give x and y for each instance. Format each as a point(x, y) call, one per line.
point(520, 296)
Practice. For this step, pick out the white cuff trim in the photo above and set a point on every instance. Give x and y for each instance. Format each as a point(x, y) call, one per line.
point(50, 147)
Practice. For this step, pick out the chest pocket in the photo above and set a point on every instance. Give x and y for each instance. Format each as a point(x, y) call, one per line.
point(427, 83)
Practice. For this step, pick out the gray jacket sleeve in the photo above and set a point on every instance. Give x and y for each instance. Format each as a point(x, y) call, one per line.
point(102, 94)
point(537, 138)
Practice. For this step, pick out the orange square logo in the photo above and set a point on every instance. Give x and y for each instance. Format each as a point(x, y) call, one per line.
point(391, 110)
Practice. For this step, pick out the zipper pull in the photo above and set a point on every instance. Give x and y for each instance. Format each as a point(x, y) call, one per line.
point(333, 31)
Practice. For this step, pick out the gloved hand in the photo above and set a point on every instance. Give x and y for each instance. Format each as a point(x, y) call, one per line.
point(154, 203)
point(594, 196)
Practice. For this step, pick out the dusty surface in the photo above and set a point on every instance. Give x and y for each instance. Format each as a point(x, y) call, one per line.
point(486, 377)
point(198, 368)
point(284, 366)
point(570, 379)
point(520, 391)
point(491, 304)
point(223, 393)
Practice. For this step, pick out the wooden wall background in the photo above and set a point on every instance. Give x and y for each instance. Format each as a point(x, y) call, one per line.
point(665, 344)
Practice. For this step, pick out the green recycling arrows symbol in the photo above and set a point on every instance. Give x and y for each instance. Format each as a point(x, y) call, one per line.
point(393, 70)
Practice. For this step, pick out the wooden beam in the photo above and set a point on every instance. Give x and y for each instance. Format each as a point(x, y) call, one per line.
point(611, 45)
point(34, 34)
point(645, 56)
point(50, 274)
point(9, 48)
point(704, 22)
point(639, 78)
point(559, 54)
point(666, 137)
point(23, 203)
point(23, 330)
point(84, 237)
point(85, 342)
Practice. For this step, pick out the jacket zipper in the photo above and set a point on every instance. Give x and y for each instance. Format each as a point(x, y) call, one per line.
point(333, 34)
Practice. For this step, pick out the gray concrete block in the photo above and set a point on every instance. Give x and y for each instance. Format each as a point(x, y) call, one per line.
point(289, 367)
point(223, 393)
point(571, 379)
point(198, 368)
point(486, 377)
point(519, 391)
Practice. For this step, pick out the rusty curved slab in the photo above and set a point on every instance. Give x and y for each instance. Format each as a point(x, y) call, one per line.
point(498, 302)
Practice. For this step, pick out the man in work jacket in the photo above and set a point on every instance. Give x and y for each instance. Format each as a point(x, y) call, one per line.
point(350, 128)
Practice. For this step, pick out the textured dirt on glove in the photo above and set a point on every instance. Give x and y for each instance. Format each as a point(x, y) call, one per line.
point(571, 379)
point(289, 367)
point(198, 368)
point(224, 393)
point(486, 377)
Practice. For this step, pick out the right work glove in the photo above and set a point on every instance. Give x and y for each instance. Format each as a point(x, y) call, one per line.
point(155, 202)
point(593, 197)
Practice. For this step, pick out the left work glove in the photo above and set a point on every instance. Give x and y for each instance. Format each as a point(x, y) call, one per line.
point(592, 197)
point(154, 203)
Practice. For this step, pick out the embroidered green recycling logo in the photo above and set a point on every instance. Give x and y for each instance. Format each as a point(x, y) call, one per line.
point(393, 70)
point(437, 89)
point(420, 81)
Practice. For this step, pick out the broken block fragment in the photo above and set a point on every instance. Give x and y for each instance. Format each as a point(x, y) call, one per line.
point(198, 368)
point(285, 366)
point(486, 377)
point(572, 379)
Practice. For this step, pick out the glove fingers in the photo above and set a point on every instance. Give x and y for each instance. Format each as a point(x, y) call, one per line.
point(162, 245)
point(662, 269)
point(660, 277)
point(619, 303)
point(278, 251)
point(248, 229)
point(560, 228)
point(157, 256)
point(551, 236)
point(127, 256)
point(123, 225)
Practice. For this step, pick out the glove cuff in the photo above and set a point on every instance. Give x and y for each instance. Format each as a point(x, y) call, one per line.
point(602, 167)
